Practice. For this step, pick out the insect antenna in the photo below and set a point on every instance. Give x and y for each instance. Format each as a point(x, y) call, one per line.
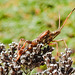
point(65, 20)
point(59, 19)
point(57, 32)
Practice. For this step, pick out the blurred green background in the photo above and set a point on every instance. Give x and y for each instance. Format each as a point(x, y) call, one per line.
point(28, 18)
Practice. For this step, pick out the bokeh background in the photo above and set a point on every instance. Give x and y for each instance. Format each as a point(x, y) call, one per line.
point(28, 18)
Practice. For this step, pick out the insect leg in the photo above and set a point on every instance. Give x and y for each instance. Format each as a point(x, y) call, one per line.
point(19, 54)
point(20, 51)
point(55, 43)
point(61, 40)
point(20, 43)
point(27, 41)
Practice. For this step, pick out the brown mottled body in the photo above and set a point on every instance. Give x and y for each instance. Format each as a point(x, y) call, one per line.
point(44, 38)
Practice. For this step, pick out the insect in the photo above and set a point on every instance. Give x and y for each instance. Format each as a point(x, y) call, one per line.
point(44, 38)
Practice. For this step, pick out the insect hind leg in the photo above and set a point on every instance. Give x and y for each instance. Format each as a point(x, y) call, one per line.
point(20, 50)
point(20, 43)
